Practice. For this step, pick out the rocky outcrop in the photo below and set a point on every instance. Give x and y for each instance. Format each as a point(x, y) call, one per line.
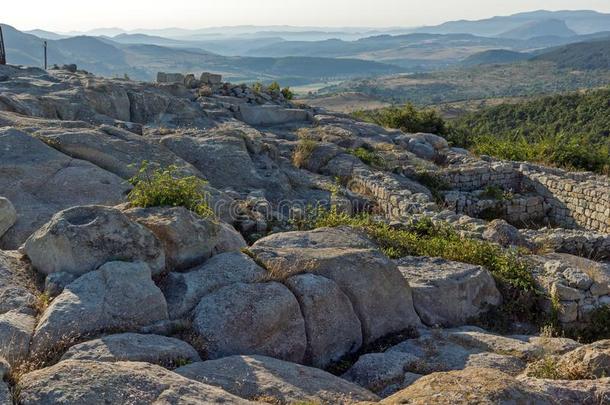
point(275, 380)
point(380, 296)
point(8, 215)
point(117, 296)
point(41, 181)
point(183, 291)
point(161, 350)
point(332, 327)
point(471, 385)
point(259, 318)
point(583, 392)
point(447, 293)
point(81, 239)
point(88, 382)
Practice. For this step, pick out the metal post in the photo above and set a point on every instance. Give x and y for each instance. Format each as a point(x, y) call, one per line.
point(2, 49)
point(45, 55)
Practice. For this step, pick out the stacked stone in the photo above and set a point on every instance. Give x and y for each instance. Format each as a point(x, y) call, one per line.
point(575, 200)
point(577, 285)
point(483, 174)
point(517, 209)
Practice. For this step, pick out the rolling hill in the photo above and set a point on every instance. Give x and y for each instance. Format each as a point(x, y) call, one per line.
point(585, 55)
point(540, 28)
point(495, 56)
point(104, 56)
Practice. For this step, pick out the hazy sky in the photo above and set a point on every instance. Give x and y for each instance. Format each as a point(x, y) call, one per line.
point(64, 15)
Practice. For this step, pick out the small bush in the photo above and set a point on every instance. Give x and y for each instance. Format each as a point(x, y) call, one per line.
point(406, 118)
point(166, 188)
point(274, 88)
point(368, 157)
point(287, 93)
point(303, 151)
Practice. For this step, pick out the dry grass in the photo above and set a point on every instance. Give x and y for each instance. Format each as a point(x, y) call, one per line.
point(303, 151)
point(551, 368)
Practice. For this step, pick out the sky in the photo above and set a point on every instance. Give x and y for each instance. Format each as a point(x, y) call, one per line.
point(65, 15)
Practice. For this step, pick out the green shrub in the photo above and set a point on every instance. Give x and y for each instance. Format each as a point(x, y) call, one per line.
point(274, 88)
point(164, 187)
point(406, 118)
point(369, 157)
point(287, 93)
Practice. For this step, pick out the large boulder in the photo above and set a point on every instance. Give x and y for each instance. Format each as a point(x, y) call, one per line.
point(381, 297)
point(333, 329)
point(448, 293)
point(183, 291)
point(92, 382)
point(16, 292)
point(8, 215)
point(468, 386)
point(118, 296)
point(161, 350)
point(255, 377)
point(260, 318)
point(81, 239)
point(41, 181)
point(187, 238)
point(504, 234)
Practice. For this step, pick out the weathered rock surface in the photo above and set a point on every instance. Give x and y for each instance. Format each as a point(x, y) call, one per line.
point(118, 296)
point(187, 238)
point(333, 329)
point(582, 392)
point(260, 318)
point(260, 377)
point(183, 291)
point(81, 239)
point(16, 291)
point(92, 382)
point(161, 350)
point(271, 115)
point(15, 332)
point(40, 181)
point(472, 385)
point(382, 373)
point(381, 297)
point(504, 234)
point(592, 359)
point(8, 215)
point(448, 293)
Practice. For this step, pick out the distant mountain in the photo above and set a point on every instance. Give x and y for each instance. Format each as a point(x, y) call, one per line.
point(45, 34)
point(146, 39)
point(104, 56)
point(494, 56)
point(540, 28)
point(582, 56)
point(581, 22)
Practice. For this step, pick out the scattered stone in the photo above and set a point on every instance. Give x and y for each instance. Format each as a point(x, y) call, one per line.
point(161, 350)
point(15, 332)
point(261, 377)
point(260, 318)
point(504, 234)
point(80, 239)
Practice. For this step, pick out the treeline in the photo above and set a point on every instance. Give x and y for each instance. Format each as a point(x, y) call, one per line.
point(571, 131)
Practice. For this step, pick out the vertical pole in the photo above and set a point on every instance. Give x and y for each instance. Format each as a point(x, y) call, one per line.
point(45, 55)
point(2, 49)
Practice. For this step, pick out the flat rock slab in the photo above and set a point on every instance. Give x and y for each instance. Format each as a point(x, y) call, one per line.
point(271, 115)
point(91, 383)
point(469, 386)
point(255, 377)
point(41, 181)
point(161, 350)
point(582, 392)
point(447, 293)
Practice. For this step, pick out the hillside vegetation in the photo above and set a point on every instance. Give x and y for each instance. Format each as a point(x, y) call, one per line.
point(570, 131)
